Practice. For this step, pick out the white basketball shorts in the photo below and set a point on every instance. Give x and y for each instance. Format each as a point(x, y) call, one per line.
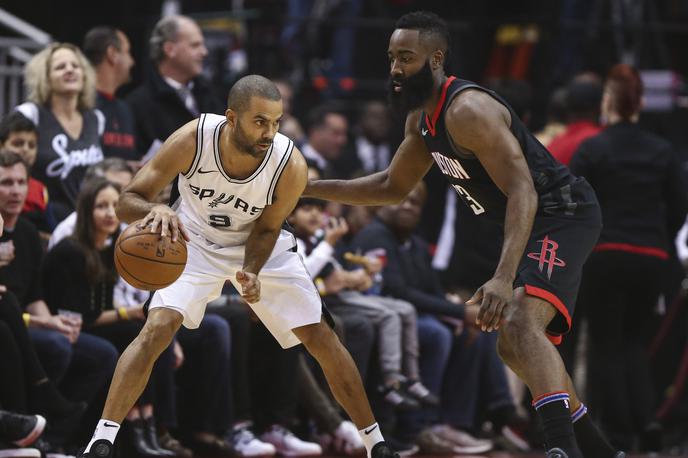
point(288, 297)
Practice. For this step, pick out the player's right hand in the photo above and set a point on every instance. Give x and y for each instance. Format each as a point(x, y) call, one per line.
point(250, 286)
point(163, 217)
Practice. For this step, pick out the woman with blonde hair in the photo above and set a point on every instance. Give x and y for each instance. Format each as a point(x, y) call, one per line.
point(61, 99)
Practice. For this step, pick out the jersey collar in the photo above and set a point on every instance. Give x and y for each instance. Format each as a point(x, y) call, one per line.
point(438, 108)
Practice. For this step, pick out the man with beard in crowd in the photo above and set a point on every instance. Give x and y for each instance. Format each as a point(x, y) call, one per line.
point(550, 218)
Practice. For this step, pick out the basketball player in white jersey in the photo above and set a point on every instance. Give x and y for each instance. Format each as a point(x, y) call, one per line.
point(238, 181)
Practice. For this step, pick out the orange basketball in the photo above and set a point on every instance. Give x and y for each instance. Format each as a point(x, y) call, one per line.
point(143, 260)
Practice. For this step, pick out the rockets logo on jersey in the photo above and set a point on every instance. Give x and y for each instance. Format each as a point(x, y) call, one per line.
point(452, 168)
point(223, 199)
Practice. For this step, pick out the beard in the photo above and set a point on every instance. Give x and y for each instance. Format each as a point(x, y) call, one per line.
point(246, 145)
point(415, 90)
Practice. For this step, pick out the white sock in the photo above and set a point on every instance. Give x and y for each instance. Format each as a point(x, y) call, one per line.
point(107, 430)
point(371, 436)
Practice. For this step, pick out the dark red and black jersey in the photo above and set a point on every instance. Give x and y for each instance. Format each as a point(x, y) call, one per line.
point(559, 192)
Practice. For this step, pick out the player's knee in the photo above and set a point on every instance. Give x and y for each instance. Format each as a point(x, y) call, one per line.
point(505, 350)
point(514, 331)
point(160, 328)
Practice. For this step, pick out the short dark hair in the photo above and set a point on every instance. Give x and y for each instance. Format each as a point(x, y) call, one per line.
point(15, 122)
point(583, 99)
point(249, 86)
point(10, 159)
point(98, 40)
point(316, 117)
point(310, 201)
point(432, 28)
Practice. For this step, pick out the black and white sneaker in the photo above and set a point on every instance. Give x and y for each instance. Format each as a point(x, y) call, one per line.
point(100, 449)
point(620, 454)
point(398, 398)
point(556, 453)
point(383, 450)
point(21, 430)
point(8, 450)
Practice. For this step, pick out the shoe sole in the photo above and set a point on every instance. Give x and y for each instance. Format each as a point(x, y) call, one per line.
point(20, 453)
point(33, 435)
point(472, 450)
point(295, 454)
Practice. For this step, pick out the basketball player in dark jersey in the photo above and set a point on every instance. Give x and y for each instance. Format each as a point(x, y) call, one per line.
point(551, 219)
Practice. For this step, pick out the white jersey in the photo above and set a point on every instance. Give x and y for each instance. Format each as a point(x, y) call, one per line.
point(221, 209)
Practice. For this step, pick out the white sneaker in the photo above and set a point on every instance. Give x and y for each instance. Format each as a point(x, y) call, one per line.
point(286, 444)
point(464, 443)
point(347, 440)
point(246, 444)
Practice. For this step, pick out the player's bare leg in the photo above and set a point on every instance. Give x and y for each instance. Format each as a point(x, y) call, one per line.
point(345, 382)
point(524, 347)
point(133, 371)
point(340, 370)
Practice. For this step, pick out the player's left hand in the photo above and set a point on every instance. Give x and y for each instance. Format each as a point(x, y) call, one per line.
point(250, 286)
point(493, 298)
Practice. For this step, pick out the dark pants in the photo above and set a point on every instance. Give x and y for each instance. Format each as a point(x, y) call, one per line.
point(204, 378)
point(160, 389)
point(435, 343)
point(475, 379)
point(621, 291)
point(273, 373)
point(82, 368)
point(19, 362)
point(237, 317)
point(359, 333)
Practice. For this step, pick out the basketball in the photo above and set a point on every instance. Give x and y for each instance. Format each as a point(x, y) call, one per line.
point(143, 260)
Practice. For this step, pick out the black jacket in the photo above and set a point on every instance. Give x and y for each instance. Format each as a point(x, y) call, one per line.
point(159, 111)
point(639, 183)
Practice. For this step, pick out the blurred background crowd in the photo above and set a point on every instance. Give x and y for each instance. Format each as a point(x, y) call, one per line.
point(88, 93)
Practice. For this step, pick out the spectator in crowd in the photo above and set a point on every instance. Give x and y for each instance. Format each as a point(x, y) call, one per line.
point(583, 96)
point(373, 151)
point(19, 135)
point(87, 288)
point(289, 125)
point(61, 87)
point(115, 170)
point(328, 129)
point(639, 182)
point(474, 370)
point(64, 350)
point(108, 50)
point(174, 93)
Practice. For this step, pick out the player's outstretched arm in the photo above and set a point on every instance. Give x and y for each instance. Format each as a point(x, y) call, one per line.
point(480, 124)
point(409, 165)
point(137, 201)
